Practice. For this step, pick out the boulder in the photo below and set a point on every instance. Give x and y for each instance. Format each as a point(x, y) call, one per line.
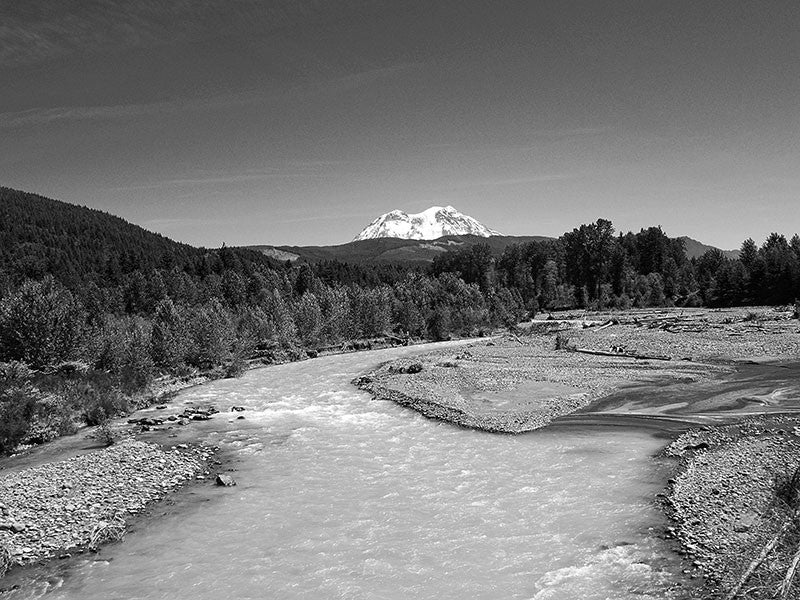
point(225, 480)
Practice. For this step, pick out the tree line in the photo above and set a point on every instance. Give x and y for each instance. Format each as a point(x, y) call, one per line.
point(592, 268)
point(86, 343)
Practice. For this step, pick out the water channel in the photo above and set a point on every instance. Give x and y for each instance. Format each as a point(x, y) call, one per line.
point(340, 496)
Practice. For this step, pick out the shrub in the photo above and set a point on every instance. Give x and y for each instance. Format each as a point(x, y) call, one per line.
point(787, 489)
point(168, 338)
point(54, 417)
point(41, 323)
point(18, 402)
point(15, 371)
point(105, 433)
point(98, 405)
point(136, 371)
point(564, 341)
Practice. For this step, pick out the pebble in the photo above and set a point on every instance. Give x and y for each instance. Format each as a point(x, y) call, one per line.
point(53, 508)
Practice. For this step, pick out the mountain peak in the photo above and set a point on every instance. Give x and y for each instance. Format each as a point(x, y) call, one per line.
point(430, 224)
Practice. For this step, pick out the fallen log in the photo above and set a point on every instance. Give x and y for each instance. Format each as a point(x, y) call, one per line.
point(608, 323)
point(622, 354)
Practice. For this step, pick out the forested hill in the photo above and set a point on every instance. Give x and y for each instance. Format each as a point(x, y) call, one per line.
point(75, 244)
point(41, 236)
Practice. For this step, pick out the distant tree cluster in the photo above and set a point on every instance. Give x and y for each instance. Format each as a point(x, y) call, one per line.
point(590, 267)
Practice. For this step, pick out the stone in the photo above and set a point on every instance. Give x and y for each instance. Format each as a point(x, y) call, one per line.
point(225, 480)
point(237, 408)
point(699, 446)
point(12, 526)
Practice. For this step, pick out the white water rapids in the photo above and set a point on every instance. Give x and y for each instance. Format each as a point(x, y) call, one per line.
point(340, 496)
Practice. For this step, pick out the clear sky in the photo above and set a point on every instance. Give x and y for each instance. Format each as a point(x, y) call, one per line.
point(298, 122)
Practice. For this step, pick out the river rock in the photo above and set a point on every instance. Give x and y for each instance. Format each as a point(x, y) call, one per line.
point(225, 480)
point(12, 526)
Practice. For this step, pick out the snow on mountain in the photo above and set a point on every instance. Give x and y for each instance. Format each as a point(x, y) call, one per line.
point(427, 225)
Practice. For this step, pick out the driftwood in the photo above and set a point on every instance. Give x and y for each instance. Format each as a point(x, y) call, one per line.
point(786, 586)
point(758, 560)
point(516, 337)
point(394, 338)
point(608, 323)
point(622, 354)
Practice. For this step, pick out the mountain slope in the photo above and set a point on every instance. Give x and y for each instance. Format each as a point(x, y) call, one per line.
point(430, 224)
point(41, 236)
point(392, 250)
point(695, 249)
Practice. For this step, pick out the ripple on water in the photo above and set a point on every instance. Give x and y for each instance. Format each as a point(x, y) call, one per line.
point(342, 497)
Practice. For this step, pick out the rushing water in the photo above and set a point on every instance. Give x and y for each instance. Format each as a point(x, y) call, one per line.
point(340, 496)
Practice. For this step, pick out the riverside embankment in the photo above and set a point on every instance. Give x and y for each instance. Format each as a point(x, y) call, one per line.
point(728, 494)
point(61, 508)
point(341, 496)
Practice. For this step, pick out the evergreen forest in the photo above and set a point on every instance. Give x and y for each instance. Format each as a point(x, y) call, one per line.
point(95, 310)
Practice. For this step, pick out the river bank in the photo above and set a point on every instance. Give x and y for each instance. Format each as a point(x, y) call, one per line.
point(725, 494)
point(282, 435)
point(71, 496)
point(94, 494)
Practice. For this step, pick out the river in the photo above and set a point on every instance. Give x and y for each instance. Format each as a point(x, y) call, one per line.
point(340, 496)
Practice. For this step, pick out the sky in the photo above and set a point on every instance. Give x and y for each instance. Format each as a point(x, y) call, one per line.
point(299, 122)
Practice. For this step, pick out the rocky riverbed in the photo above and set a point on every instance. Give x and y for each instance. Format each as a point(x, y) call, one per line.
point(65, 507)
point(732, 495)
point(522, 382)
point(729, 497)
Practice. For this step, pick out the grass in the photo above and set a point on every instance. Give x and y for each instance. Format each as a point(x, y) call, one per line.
point(106, 531)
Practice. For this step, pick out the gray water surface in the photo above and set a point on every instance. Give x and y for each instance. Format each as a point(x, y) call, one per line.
point(340, 496)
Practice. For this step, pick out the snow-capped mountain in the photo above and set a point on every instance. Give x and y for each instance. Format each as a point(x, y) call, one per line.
point(427, 225)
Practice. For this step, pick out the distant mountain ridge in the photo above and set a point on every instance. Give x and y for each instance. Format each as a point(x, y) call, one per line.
point(389, 250)
point(392, 250)
point(695, 249)
point(40, 235)
point(430, 224)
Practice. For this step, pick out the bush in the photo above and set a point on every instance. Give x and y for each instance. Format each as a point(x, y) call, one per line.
point(787, 489)
point(564, 341)
point(53, 418)
point(105, 434)
point(41, 323)
point(14, 371)
point(136, 371)
point(237, 366)
point(98, 405)
point(18, 401)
